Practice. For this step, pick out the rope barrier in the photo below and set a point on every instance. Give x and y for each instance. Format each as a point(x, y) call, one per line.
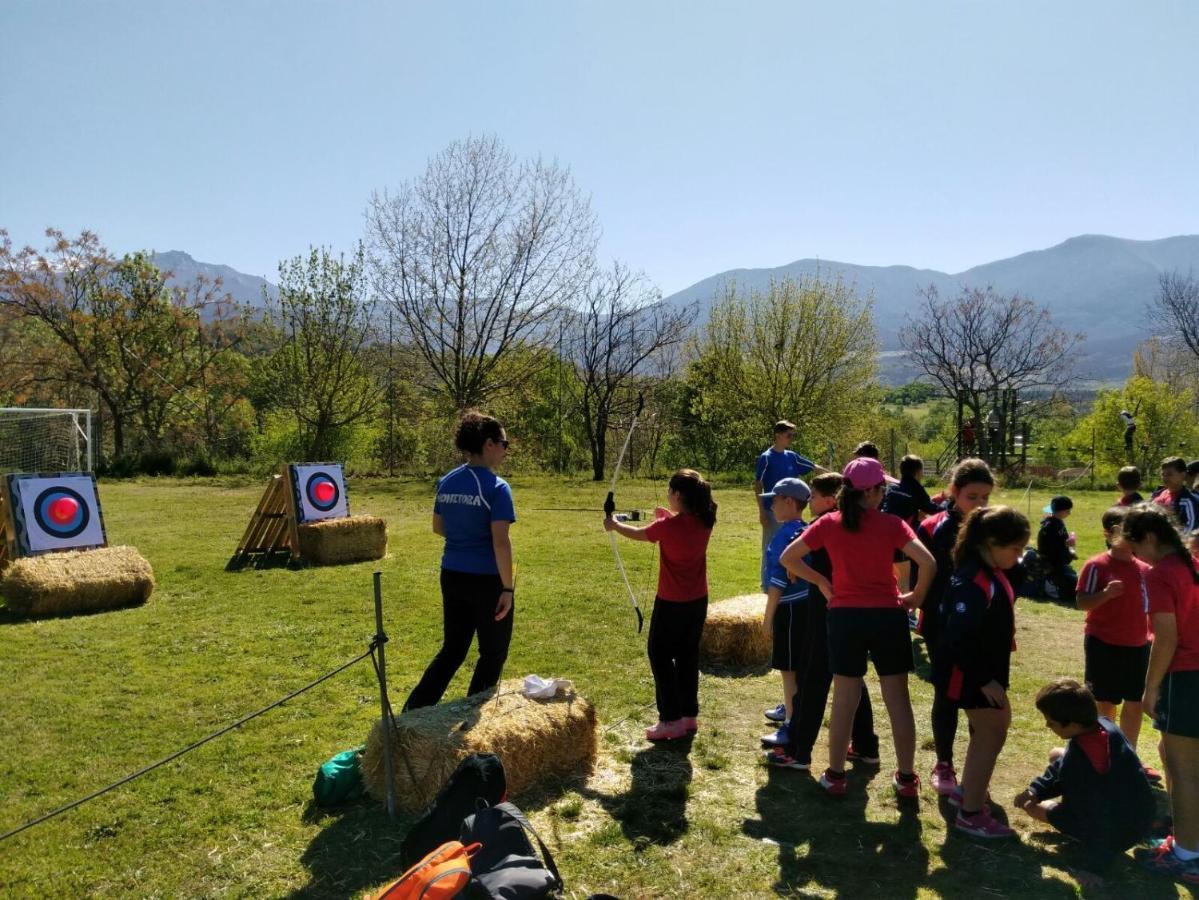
point(190, 747)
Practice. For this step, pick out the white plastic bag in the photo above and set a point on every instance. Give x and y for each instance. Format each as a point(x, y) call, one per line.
point(538, 688)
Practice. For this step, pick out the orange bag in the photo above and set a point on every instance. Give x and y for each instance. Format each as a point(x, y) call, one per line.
point(442, 874)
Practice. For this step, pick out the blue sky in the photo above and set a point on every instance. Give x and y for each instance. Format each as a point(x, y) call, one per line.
point(709, 135)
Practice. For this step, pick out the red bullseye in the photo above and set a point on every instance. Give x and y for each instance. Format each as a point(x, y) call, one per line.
point(64, 510)
point(324, 492)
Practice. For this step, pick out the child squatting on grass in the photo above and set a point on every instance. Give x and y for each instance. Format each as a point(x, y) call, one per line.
point(974, 659)
point(681, 533)
point(785, 618)
point(1105, 802)
point(867, 615)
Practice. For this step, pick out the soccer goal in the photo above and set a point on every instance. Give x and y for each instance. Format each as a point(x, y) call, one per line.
point(45, 440)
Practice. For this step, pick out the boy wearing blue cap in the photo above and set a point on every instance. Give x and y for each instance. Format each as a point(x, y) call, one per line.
point(1055, 551)
point(786, 610)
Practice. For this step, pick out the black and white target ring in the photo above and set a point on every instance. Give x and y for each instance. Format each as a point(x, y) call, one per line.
point(322, 491)
point(61, 512)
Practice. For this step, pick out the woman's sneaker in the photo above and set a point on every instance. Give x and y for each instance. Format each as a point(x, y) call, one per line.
point(834, 785)
point(945, 779)
point(690, 724)
point(866, 759)
point(1164, 861)
point(666, 731)
point(982, 824)
point(777, 758)
point(906, 786)
point(780, 738)
point(957, 799)
point(777, 714)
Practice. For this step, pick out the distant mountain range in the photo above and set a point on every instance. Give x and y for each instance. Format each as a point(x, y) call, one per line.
point(1093, 284)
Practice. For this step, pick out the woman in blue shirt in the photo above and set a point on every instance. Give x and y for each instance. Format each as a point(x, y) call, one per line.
point(473, 512)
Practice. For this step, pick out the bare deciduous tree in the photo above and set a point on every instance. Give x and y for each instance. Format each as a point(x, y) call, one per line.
point(990, 351)
point(477, 256)
point(620, 328)
point(1175, 309)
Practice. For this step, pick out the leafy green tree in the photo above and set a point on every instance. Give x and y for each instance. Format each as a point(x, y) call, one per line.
point(323, 317)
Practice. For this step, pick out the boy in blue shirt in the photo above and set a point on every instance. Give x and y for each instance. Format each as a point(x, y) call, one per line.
point(775, 462)
point(786, 610)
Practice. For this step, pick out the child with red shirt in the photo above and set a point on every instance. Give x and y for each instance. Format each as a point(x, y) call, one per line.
point(1172, 684)
point(677, 622)
point(973, 663)
point(867, 615)
point(1111, 590)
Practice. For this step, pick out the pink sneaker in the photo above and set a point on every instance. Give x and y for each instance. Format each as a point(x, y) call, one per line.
point(982, 824)
point(906, 788)
point(945, 779)
point(666, 731)
point(690, 724)
point(834, 787)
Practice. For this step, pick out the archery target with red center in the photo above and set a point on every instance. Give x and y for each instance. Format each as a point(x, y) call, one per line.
point(56, 512)
point(320, 491)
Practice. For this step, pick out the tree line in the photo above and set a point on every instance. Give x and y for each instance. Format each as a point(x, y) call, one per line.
point(477, 283)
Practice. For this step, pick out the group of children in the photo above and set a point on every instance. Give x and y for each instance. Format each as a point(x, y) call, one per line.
point(831, 545)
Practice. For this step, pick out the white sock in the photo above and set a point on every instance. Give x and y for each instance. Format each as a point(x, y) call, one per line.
point(1185, 855)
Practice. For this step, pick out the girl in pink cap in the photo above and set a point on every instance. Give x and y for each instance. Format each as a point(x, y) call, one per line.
point(867, 614)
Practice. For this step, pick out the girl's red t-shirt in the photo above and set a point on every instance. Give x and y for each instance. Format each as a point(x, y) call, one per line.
point(683, 547)
point(1172, 589)
point(863, 575)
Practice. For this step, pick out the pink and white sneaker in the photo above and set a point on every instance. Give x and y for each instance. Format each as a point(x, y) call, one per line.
point(906, 787)
point(945, 779)
point(690, 724)
point(982, 824)
point(666, 731)
point(834, 786)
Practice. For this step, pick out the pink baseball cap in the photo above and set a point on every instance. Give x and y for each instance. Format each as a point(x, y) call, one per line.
point(864, 473)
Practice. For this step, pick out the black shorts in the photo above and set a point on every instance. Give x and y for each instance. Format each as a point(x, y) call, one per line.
point(882, 635)
point(1177, 710)
point(790, 636)
point(1115, 673)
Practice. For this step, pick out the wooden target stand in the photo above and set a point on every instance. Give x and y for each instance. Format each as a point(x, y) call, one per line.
point(272, 538)
point(8, 527)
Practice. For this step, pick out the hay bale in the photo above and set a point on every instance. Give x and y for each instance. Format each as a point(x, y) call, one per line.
point(352, 539)
point(733, 633)
point(534, 739)
point(77, 581)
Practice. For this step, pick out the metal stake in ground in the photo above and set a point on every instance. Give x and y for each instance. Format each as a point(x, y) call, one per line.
point(385, 704)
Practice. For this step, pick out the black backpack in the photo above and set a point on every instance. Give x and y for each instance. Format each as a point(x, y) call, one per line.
point(478, 778)
point(507, 867)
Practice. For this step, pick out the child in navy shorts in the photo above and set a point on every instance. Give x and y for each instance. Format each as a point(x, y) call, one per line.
point(1111, 590)
point(974, 660)
point(786, 612)
point(867, 615)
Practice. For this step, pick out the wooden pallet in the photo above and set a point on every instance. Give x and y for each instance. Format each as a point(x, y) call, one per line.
point(272, 537)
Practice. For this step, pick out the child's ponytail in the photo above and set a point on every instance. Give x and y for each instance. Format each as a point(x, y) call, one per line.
point(696, 495)
point(1150, 519)
point(849, 503)
point(1000, 526)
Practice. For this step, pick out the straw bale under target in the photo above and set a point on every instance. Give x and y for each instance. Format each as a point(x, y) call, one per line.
point(733, 633)
point(535, 740)
point(352, 539)
point(77, 581)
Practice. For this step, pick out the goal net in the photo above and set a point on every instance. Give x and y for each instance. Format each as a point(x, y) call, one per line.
point(45, 440)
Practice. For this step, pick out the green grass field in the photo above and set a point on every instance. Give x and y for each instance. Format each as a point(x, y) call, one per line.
point(90, 698)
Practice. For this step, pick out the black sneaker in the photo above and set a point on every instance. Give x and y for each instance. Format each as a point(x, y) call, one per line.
point(867, 759)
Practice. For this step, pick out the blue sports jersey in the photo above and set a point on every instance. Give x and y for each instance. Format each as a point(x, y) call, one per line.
point(776, 572)
point(468, 500)
point(774, 465)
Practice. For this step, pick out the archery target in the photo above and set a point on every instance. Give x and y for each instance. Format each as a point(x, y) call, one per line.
point(320, 491)
point(56, 512)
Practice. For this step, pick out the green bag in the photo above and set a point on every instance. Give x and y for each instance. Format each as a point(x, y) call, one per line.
point(339, 780)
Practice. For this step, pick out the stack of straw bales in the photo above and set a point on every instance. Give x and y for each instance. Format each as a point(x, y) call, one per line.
point(733, 633)
point(535, 740)
point(347, 540)
point(77, 581)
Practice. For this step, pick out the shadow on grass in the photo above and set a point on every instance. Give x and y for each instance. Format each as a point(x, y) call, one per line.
point(725, 670)
point(924, 665)
point(358, 848)
point(826, 843)
point(11, 617)
point(654, 809)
